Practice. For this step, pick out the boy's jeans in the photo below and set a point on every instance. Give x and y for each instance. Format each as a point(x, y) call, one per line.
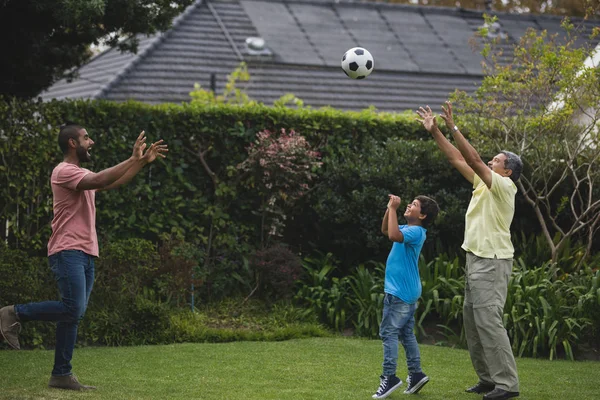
point(397, 324)
point(74, 272)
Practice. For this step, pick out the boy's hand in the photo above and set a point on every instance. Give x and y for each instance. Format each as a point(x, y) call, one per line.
point(394, 202)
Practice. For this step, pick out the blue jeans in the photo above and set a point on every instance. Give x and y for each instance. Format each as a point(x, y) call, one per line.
point(74, 272)
point(397, 324)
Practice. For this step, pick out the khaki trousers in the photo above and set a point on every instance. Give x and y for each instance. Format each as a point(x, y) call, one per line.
point(485, 294)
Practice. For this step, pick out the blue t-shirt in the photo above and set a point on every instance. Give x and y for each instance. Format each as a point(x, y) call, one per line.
point(402, 269)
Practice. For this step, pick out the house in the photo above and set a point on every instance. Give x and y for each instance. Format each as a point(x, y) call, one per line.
point(295, 46)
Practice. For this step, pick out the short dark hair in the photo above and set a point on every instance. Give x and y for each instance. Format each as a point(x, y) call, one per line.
point(514, 163)
point(68, 130)
point(430, 208)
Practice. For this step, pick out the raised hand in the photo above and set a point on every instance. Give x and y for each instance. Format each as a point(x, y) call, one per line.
point(427, 118)
point(139, 146)
point(394, 202)
point(447, 116)
point(156, 149)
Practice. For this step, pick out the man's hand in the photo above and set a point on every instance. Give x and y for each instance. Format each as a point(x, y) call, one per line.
point(156, 149)
point(427, 118)
point(394, 202)
point(447, 116)
point(139, 146)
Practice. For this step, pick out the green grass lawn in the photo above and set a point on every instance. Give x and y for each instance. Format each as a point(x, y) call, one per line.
point(322, 368)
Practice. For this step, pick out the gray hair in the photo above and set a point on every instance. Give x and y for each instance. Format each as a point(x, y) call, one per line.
point(514, 163)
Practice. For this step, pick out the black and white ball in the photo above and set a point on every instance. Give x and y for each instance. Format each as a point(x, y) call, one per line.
point(357, 63)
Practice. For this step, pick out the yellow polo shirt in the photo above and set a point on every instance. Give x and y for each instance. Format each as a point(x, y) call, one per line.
point(488, 218)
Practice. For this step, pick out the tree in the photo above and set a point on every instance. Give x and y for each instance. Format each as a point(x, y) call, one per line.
point(234, 92)
point(545, 105)
point(41, 39)
point(557, 7)
point(281, 167)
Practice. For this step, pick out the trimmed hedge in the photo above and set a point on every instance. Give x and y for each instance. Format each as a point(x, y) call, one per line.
point(177, 195)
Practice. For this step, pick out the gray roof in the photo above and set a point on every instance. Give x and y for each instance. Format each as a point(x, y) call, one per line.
point(421, 54)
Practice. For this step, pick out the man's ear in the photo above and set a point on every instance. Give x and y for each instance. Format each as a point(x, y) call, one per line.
point(72, 143)
point(508, 172)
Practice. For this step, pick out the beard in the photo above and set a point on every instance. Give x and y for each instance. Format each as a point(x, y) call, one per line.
point(82, 154)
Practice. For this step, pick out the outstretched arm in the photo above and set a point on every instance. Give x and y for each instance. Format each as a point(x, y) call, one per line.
point(468, 152)
point(453, 155)
point(108, 176)
point(127, 176)
point(155, 150)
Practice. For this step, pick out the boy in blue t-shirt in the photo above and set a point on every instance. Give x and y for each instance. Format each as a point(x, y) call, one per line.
point(402, 290)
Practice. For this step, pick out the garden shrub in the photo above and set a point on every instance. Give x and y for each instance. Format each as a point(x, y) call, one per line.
point(278, 269)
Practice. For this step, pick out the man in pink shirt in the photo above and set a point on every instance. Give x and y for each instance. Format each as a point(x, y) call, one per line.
point(73, 244)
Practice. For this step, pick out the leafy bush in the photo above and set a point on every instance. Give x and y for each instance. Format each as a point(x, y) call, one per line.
point(27, 279)
point(326, 295)
point(367, 299)
point(176, 272)
point(278, 269)
point(281, 166)
point(442, 298)
point(546, 314)
point(141, 320)
point(126, 266)
point(24, 278)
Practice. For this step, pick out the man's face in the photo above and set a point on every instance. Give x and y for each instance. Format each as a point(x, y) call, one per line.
point(84, 145)
point(497, 164)
point(413, 210)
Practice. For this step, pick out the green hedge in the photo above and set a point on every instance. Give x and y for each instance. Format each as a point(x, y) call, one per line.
point(142, 296)
point(365, 156)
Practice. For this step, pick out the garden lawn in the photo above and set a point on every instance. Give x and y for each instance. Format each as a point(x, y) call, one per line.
point(321, 368)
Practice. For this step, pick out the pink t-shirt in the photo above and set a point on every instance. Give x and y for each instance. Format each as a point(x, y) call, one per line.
point(74, 222)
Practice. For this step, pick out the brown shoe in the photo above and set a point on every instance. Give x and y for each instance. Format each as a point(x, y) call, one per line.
point(10, 326)
point(68, 382)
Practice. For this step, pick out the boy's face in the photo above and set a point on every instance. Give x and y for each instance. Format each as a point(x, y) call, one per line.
point(413, 211)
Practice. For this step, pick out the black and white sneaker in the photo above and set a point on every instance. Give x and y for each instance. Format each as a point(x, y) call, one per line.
point(415, 382)
point(387, 384)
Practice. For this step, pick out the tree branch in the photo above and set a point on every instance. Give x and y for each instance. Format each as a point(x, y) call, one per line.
point(201, 156)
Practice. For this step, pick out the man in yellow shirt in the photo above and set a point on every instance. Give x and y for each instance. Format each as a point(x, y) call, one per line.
point(489, 255)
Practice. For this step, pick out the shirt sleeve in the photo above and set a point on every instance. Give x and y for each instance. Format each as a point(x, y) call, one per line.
point(476, 181)
point(502, 188)
point(70, 175)
point(412, 234)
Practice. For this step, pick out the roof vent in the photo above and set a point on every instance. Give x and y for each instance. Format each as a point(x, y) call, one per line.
point(257, 46)
point(494, 30)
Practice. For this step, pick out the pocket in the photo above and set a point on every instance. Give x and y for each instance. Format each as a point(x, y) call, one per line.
point(483, 276)
point(482, 288)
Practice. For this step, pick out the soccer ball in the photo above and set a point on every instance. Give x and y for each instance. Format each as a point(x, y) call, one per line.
point(357, 63)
